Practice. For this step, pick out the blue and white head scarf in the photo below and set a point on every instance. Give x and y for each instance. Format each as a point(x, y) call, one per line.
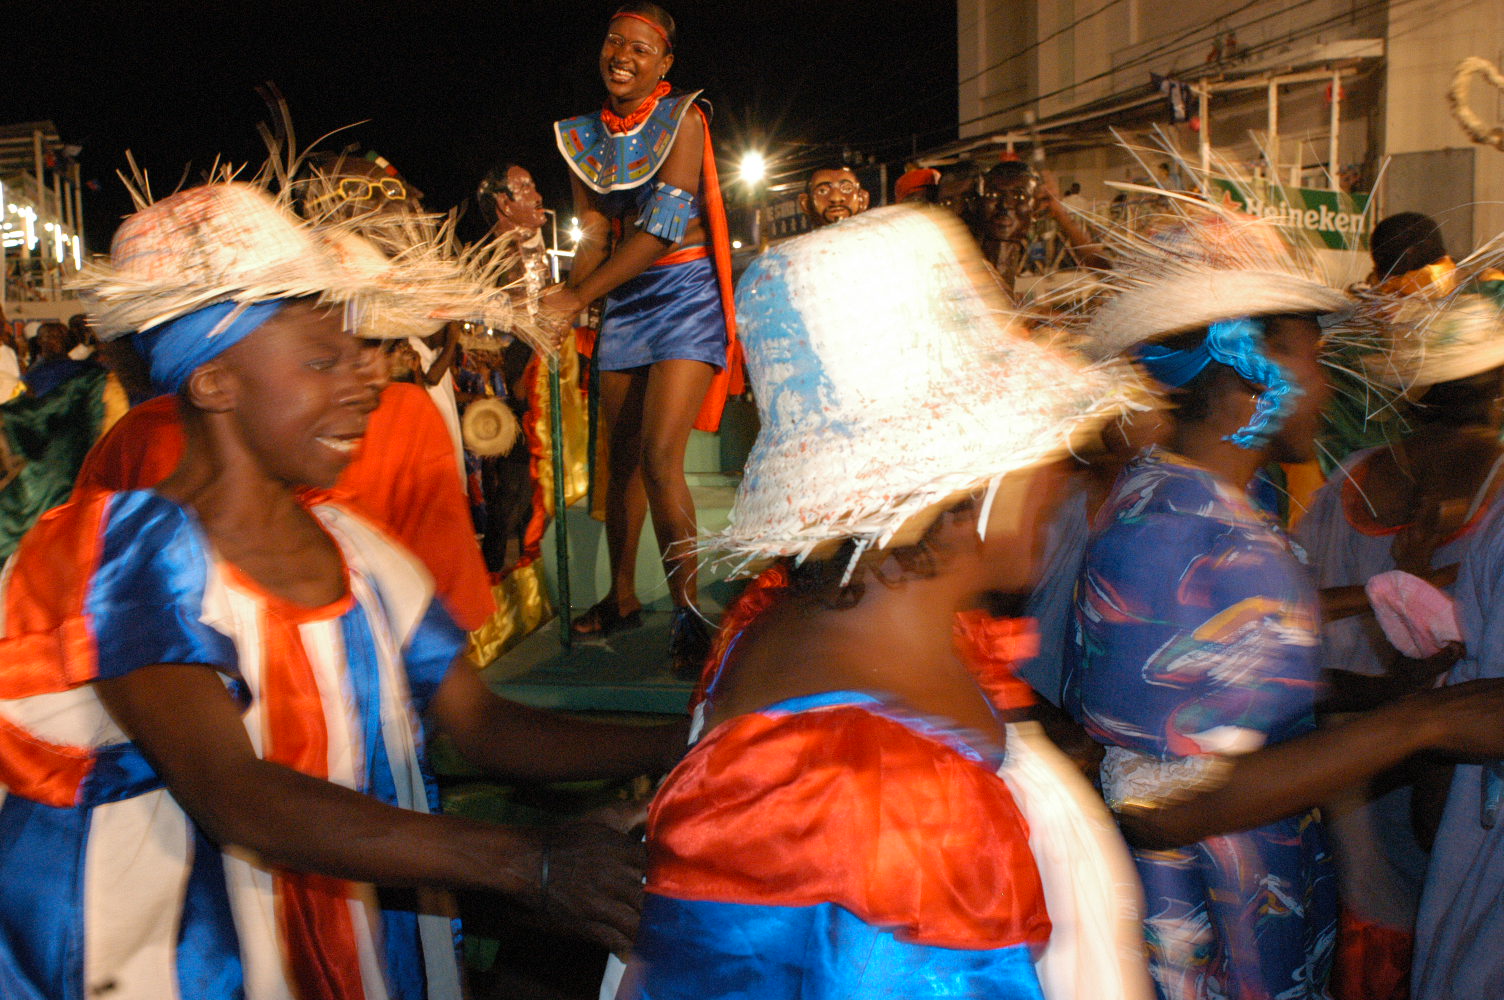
point(175, 348)
point(1238, 344)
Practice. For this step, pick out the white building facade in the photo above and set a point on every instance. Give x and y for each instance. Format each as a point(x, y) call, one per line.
point(1321, 94)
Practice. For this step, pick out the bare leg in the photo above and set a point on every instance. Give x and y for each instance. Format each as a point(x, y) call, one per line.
point(675, 390)
point(626, 503)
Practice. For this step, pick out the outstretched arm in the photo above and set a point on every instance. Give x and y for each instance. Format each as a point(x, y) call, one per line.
point(186, 723)
point(449, 343)
point(1280, 781)
point(595, 230)
point(1086, 250)
point(519, 743)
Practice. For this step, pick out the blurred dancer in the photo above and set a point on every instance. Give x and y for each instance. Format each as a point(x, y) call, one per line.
point(247, 680)
point(840, 828)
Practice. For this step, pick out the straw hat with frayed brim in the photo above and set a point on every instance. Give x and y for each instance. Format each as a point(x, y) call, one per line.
point(1437, 341)
point(230, 241)
point(1194, 298)
point(1192, 262)
point(892, 378)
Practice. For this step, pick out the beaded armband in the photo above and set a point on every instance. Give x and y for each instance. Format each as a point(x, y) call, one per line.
point(668, 212)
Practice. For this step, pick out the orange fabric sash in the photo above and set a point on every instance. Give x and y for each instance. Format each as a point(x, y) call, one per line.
point(731, 379)
point(683, 255)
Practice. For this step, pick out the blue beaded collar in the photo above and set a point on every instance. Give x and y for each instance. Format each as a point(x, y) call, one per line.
point(606, 162)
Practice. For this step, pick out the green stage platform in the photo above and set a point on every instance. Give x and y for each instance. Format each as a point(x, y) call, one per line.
point(628, 672)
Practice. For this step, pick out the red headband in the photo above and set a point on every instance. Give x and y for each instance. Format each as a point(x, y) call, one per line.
point(647, 21)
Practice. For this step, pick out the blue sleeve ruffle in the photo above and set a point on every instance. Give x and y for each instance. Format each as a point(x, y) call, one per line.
point(145, 601)
point(668, 212)
point(436, 643)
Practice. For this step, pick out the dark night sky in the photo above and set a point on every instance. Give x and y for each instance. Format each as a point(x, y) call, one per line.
point(446, 88)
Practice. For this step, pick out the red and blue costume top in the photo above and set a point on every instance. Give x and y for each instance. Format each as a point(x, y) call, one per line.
point(106, 884)
point(402, 477)
point(838, 845)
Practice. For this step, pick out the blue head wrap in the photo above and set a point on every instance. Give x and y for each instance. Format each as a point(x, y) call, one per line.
point(1238, 344)
point(175, 348)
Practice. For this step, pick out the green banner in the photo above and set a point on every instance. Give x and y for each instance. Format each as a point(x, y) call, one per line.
point(1330, 220)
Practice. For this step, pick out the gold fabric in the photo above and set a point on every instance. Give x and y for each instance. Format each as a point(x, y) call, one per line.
point(522, 601)
point(522, 605)
point(1433, 280)
point(576, 417)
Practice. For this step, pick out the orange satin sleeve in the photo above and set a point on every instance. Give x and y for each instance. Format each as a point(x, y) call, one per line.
point(992, 648)
point(138, 452)
point(48, 644)
point(844, 805)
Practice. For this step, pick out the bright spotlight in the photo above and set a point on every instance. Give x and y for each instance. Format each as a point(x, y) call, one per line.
point(754, 167)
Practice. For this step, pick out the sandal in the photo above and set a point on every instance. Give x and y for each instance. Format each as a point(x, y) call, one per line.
point(689, 643)
point(604, 618)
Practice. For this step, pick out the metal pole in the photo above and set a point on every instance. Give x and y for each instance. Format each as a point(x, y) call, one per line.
point(57, 232)
point(1334, 165)
point(1273, 141)
point(561, 530)
point(556, 447)
point(1203, 95)
point(4, 272)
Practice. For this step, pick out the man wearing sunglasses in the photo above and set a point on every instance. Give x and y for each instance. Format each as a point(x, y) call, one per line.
point(833, 193)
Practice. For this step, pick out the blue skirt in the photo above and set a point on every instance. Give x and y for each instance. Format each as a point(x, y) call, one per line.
point(668, 311)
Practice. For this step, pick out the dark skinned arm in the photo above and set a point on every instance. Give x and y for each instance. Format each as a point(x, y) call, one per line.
point(1280, 781)
point(1350, 692)
point(519, 743)
point(434, 373)
point(183, 719)
point(595, 230)
point(1068, 735)
point(1344, 602)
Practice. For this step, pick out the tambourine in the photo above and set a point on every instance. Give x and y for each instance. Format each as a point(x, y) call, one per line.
point(1462, 77)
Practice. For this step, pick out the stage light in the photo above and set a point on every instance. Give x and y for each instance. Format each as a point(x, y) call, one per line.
point(754, 167)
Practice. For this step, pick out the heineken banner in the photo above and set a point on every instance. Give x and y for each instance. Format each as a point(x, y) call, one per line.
point(1330, 220)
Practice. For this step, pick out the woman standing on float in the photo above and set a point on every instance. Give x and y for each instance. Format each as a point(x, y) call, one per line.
point(646, 195)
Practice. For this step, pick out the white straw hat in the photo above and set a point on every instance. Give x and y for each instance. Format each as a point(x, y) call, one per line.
point(1438, 341)
point(231, 241)
point(890, 376)
point(1205, 265)
point(489, 427)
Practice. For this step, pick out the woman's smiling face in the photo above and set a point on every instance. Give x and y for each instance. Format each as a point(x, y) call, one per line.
point(634, 58)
